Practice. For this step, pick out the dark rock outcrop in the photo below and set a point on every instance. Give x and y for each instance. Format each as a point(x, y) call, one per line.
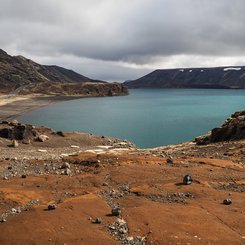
point(18, 131)
point(232, 129)
point(218, 77)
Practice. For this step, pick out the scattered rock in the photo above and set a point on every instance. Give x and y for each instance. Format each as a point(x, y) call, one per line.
point(60, 133)
point(67, 171)
point(52, 206)
point(26, 141)
point(5, 122)
point(97, 221)
point(187, 180)
point(116, 211)
point(23, 176)
point(66, 165)
point(119, 229)
point(170, 160)
point(14, 122)
point(227, 202)
point(130, 239)
point(41, 150)
point(236, 187)
point(15, 143)
point(42, 138)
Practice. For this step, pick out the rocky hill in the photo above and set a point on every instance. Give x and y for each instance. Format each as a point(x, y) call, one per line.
point(19, 75)
point(218, 77)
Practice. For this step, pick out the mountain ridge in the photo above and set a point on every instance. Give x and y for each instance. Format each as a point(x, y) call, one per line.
point(20, 75)
point(209, 77)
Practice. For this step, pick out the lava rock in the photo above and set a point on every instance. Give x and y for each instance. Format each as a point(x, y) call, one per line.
point(170, 160)
point(187, 180)
point(17, 132)
point(60, 133)
point(52, 206)
point(97, 221)
point(227, 202)
point(116, 211)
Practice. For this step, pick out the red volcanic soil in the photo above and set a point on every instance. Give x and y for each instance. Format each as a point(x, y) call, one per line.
point(155, 204)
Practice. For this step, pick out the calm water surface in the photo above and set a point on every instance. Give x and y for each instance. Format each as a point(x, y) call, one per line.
point(147, 117)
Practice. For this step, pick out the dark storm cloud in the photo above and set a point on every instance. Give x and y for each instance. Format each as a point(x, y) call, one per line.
point(136, 32)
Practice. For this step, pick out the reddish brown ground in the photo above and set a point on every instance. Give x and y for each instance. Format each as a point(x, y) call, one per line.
point(148, 190)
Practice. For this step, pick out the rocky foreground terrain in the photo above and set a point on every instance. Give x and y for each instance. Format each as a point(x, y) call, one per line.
point(74, 188)
point(216, 77)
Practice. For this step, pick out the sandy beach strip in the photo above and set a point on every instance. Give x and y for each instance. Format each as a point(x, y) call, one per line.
point(13, 106)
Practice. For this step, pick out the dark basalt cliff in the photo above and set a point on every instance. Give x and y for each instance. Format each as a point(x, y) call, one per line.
point(218, 77)
point(19, 75)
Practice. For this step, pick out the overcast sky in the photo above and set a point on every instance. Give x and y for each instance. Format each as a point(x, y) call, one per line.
point(117, 40)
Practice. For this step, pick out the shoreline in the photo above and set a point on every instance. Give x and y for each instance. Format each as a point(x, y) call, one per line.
point(14, 106)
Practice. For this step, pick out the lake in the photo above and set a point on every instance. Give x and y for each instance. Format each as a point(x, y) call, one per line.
point(147, 117)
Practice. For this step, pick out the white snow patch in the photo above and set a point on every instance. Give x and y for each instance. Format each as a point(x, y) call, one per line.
point(181, 70)
point(202, 70)
point(232, 69)
point(190, 70)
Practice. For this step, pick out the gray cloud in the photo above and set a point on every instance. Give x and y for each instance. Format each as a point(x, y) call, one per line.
point(124, 38)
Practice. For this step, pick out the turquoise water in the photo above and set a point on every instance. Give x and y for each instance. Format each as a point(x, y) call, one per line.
point(147, 117)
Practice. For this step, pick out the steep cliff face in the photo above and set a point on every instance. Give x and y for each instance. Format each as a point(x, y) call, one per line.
point(218, 77)
point(19, 75)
